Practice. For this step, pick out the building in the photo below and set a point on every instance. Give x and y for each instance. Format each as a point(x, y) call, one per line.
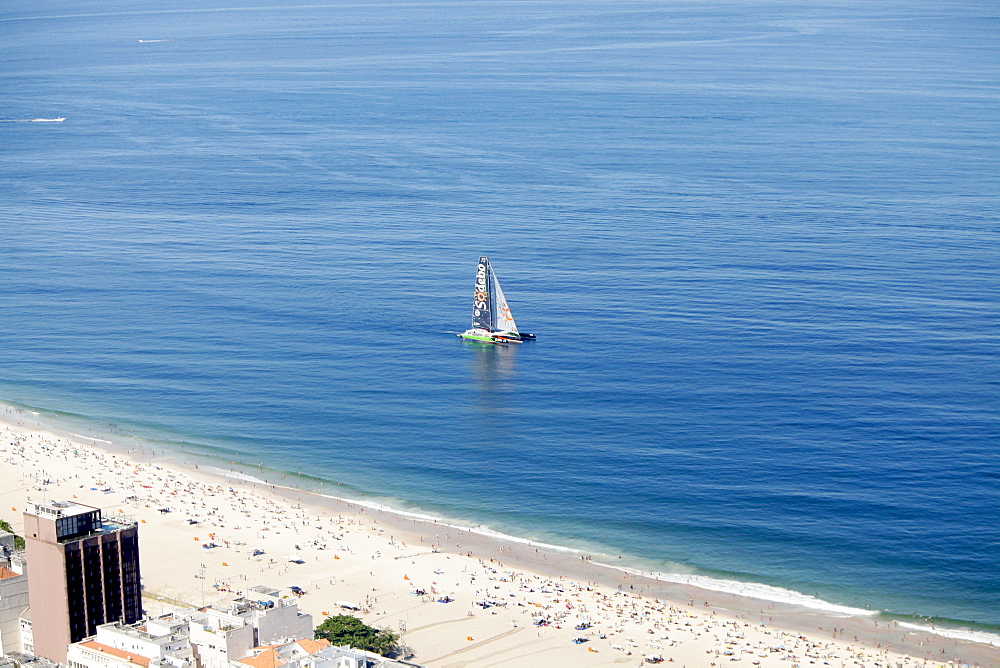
point(83, 572)
point(92, 654)
point(221, 636)
point(315, 654)
point(13, 595)
point(27, 639)
point(195, 638)
point(154, 643)
point(281, 654)
point(27, 661)
point(260, 630)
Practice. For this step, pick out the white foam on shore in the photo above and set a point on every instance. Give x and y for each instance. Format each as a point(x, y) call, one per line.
point(483, 531)
point(478, 529)
point(234, 475)
point(751, 590)
point(739, 588)
point(957, 634)
point(91, 438)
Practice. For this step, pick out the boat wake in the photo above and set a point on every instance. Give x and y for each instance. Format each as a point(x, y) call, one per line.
point(33, 120)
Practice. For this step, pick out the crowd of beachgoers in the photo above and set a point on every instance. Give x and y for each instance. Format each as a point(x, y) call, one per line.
point(206, 538)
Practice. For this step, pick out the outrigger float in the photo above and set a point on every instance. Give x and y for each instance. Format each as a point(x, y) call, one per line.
point(492, 321)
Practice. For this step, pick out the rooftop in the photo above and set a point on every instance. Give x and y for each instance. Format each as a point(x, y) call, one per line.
point(272, 656)
point(161, 635)
point(76, 520)
point(54, 509)
point(132, 657)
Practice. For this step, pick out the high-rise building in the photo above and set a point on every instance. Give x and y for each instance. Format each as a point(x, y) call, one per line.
point(83, 571)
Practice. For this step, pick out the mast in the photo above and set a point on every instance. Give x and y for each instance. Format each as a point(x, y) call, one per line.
point(482, 300)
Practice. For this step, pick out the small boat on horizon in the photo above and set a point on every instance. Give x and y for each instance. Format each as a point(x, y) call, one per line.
point(492, 321)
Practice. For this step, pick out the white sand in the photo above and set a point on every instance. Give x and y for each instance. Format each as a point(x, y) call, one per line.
point(380, 561)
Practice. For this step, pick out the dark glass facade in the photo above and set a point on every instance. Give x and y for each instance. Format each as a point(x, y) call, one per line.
point(102, 581)
point(77, 525)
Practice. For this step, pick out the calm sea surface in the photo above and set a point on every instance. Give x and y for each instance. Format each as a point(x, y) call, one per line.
point(757, 242)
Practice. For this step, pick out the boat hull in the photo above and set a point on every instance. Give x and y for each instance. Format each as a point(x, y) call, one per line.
point(479, 335)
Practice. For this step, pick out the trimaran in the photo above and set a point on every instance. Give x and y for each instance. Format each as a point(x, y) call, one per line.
point(492, 321)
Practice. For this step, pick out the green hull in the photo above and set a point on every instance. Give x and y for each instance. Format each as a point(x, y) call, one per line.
point(476, 334)
point(477, 337)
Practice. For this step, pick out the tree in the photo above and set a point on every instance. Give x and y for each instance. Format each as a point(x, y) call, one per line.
point(18, 541)
point(348, 630)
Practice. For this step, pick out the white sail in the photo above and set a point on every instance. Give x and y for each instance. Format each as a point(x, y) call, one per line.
point(504, 319)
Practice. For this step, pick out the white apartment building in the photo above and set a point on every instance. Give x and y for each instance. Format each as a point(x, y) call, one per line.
point(316, 654)
point(260, 618)
point(157, 643)
point(13, 595)
point(195, 638)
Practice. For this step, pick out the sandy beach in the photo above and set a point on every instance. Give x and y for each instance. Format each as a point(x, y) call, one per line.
point(206, 536)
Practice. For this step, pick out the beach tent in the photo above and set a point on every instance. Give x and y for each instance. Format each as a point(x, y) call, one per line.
point(348, 605)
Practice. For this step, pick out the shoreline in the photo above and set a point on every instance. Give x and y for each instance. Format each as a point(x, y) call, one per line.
point(541, 560)
point(215, 466)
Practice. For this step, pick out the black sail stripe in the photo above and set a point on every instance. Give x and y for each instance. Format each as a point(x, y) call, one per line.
point(482, 300)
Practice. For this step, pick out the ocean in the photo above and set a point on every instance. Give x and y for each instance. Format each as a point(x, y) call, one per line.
point(757, 242)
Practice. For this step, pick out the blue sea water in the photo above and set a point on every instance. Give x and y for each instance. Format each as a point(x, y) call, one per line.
point(757, 242)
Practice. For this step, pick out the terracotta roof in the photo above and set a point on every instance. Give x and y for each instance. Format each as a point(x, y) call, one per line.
point(137, 659)
point(271, 658)
point(313, 646)
point(266, 659)
point(6, 573)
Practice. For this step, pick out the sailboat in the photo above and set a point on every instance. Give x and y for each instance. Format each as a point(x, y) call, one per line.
point(492, 321)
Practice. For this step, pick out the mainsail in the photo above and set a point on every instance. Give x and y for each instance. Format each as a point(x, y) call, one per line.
point(503, 319)
point(491, 318)
point(482, 301)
